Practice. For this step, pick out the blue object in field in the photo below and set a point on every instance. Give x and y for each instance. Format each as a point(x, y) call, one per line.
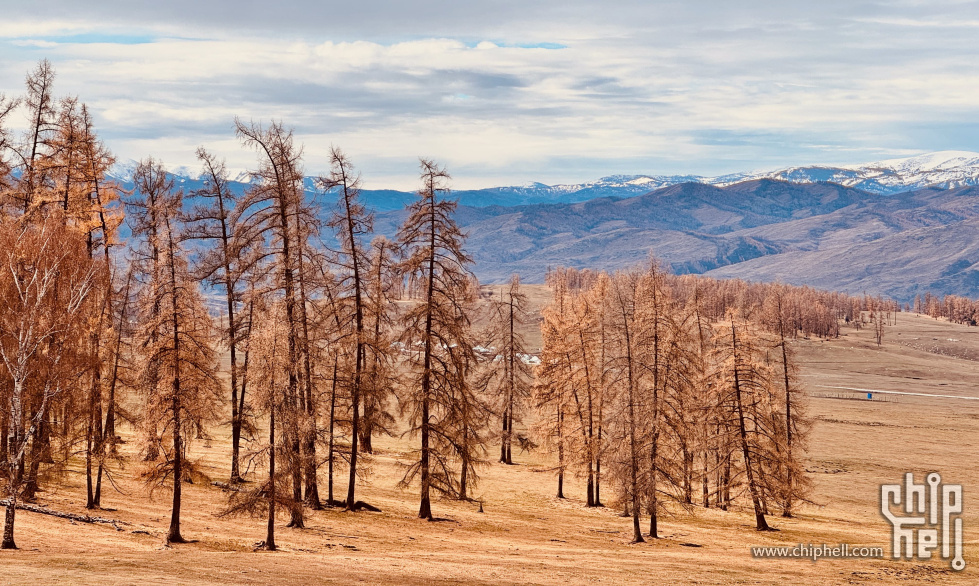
point(870, 396)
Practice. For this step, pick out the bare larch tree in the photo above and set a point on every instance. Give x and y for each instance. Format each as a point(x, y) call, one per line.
point(436, 338)
point(179, 364)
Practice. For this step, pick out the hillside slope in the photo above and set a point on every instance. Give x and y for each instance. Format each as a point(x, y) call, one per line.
point(824, 234)
point(821, 234)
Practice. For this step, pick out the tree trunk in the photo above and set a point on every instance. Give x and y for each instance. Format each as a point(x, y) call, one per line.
point(360, 357)
point(633, 432)
point(425, 510)
point(634, 464)
point(8, 523)
point(40, 445)
point(706, 501)
point(654, 447)
point(296, 514)
point(598, 477)
point(235, 440)
point(761, 523)
point(89, 487)
point(309, 443)
point(787, 506)
point(726, 482)
point(13, 461)
point(504, 437)
point(653, 495)
point(687, 475)
point(236, 412)
point(270, 530)
point(590, 490)
point(367, 428)
point(98, 485)
point(332, 449)
point(95, 441)
point(560, 453)
point(173, 535)
point(354, 431)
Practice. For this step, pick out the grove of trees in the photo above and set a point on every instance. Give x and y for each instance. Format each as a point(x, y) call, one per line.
point(308, 335)
point(673, 387)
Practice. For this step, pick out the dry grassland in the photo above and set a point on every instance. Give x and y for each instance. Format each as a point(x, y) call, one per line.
point(526, 535)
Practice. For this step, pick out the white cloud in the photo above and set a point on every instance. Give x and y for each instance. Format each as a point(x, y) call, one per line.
point(700, 87)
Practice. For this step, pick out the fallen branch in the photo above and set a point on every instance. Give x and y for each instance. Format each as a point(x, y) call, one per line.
point(70, 516)
point(358, 505)
point(362, 506)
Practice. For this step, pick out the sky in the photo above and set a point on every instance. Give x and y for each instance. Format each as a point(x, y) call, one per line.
point(508, 92)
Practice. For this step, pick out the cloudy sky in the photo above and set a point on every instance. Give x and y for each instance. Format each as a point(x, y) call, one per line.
point(507, 91)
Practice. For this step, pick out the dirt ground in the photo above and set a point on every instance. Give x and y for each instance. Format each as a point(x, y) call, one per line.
point(526, 535)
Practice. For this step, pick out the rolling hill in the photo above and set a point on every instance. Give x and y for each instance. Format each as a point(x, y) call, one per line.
point(820, 234)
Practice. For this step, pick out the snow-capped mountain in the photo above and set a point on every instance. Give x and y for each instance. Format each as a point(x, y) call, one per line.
point(943, 169)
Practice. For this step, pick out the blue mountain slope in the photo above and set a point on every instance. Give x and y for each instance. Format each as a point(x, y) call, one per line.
point(795, 227)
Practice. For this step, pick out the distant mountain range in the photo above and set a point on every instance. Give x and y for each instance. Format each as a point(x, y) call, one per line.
point(944, 169)
point(819, 234)
point(898, 227)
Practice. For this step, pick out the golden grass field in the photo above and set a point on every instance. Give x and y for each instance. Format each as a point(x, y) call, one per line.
point(526, 535)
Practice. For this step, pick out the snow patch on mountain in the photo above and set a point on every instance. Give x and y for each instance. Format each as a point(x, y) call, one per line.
point(942, 169)
point(122, 171)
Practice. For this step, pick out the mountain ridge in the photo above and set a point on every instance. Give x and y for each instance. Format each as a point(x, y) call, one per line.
point(944, 169)
point(820, 234)
point(811, 232)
